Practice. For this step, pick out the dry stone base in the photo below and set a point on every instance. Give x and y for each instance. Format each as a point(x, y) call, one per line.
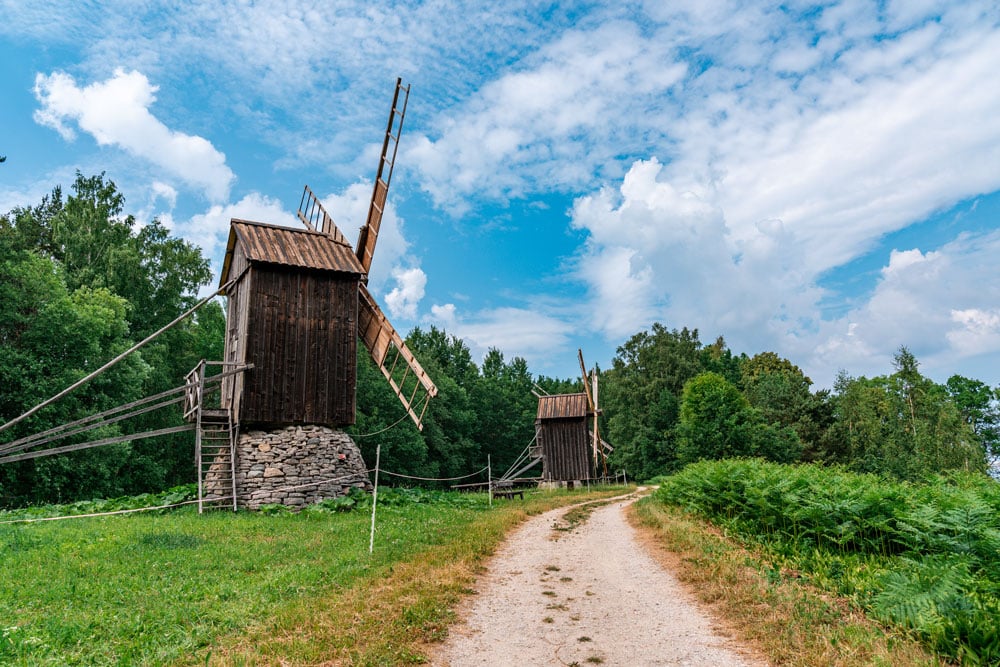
point(297, 466)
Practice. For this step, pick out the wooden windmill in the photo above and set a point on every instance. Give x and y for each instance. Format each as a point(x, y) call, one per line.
point(298, 303)
point(570, 451)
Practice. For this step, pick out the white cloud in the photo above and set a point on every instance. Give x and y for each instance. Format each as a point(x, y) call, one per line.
point(660, 252)
point(656, 252)
point(349, 210)
point(977, 331)
point(210, 230)
point(116, 112)
point(940, 304)
point(518, 332)
point(552, 124)
point(165, 192)
point(404, 298)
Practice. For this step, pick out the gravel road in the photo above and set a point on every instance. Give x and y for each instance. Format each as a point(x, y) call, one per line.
point(586, 596)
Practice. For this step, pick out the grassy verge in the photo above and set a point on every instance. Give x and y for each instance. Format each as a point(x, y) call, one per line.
point(247, 588)
point(772, 609)
point(923, 557)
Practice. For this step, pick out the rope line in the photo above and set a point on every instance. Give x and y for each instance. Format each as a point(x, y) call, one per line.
point(434, 479)
point(286, 488)
point(86, 516)
point(393, 425)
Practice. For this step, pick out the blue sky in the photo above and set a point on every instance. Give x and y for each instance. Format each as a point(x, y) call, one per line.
point(820, 180)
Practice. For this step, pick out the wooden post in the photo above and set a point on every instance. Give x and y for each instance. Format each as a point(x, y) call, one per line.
point(199, 397)
point(371, 540)
point(489, 478)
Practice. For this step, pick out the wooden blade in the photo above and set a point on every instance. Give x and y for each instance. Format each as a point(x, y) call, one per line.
point(314, 216)
point(390, 145)
point(387, 349)
point(586, 383)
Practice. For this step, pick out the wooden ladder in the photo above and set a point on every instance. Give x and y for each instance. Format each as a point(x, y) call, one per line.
point(214, 442)
point(216, 458)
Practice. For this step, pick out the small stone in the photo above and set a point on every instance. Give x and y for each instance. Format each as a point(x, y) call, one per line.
point(273, 472)
point(264, 447)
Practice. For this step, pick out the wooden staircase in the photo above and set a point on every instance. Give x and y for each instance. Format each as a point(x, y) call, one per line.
point(216, 433)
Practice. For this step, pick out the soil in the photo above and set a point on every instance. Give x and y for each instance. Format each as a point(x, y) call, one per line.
point(584, 591)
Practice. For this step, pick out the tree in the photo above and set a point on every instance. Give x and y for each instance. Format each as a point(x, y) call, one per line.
point(505, 409)
point(449, 422)
point(641, 396)
point(382, 421)
point(903, 425)
point(980, 409)
point(716, 421)
point(779, 390)
point(49, 338)
point(82, 281)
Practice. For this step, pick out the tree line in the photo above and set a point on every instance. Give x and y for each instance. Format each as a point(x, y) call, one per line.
point(81, 281)
point(671, 400)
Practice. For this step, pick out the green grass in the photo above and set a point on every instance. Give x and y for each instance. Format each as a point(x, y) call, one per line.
point(177, 587)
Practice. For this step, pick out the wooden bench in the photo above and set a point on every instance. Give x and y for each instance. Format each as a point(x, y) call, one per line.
point(508, 493)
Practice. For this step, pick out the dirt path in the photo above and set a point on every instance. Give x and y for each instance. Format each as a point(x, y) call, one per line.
point(586, 596)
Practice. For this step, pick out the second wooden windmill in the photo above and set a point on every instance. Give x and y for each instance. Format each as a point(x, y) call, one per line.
point(570, 451)
point(298, 303)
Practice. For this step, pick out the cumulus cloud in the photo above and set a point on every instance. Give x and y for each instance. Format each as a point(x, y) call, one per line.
point(552, 123)
point(404, 298)
point(210, 230)
point(976, 331)
point(657, 252)
point(116, 112)
point(523, 332)
point(165, 192)
point(349, 210)
point(941, 304)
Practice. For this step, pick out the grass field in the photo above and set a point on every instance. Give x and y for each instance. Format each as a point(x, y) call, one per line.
point(248, 588)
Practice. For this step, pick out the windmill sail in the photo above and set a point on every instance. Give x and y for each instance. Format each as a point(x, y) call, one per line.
point(314, 216)
point(390, 144)
point(590, 388)
point(404, 373)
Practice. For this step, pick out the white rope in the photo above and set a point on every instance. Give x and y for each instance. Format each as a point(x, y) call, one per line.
point(85, 516)
point(191, 502)
point(435, 479)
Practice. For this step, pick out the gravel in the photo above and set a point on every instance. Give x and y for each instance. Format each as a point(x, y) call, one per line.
point(588, 596)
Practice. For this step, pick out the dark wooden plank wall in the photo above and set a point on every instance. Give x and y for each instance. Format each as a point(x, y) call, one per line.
point(565, 449)
point(301, 336)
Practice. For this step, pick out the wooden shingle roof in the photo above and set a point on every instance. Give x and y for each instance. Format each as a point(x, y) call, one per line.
point(562, 406)
point(286, 246)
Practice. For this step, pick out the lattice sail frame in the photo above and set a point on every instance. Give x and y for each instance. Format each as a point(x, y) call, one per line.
point(387, 348)
point(383, 177)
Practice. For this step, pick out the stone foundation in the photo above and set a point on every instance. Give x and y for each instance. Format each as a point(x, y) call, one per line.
point(294, 466)
point(562, 484)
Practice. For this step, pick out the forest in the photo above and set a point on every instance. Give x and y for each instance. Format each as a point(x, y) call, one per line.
point(81, 281)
